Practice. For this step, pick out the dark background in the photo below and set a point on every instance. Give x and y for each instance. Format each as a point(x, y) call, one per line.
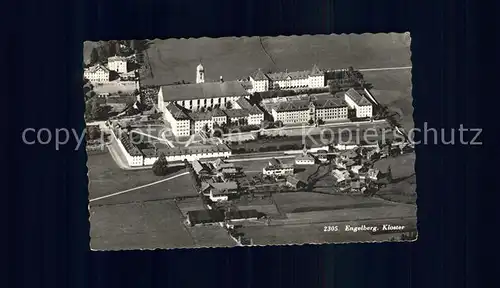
point(46, 205)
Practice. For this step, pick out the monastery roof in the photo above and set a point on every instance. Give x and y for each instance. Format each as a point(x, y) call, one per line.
point(117, 58)
point(218, 113)
point(330, 103)
point(357, 98)
point(254, 110)
point(233, 113)
point(259, 75)
point(97, 67)
point(203, 90)
point(278, 76)
point(244, 103)
point(297, 105)
point(315, 71)
point(197, 116)
point(131, 148)
point(177, 112)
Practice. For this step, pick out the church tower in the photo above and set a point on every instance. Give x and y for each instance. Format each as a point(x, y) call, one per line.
point(200, 74)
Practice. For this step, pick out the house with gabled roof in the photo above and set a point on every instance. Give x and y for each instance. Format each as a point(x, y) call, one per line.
point(220, 191)
point(97, 74)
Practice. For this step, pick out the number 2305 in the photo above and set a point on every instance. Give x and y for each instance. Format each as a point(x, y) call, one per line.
point(330, 228)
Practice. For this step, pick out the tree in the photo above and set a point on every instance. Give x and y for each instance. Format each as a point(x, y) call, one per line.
point(94, 56)
point(278, 124)
point(333, 87)
point(160, 167)
point(206, 129)
point(229, 105)
point(311, 121)
point(202, 109)
point(94, 133)
point(321, 122)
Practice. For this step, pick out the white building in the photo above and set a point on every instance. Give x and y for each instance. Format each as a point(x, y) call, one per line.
point(149, 156)
point(185, 123)
point(305, 159)
point(178, 119)
point(314, 78)
point(356, 101)
point(118, 64)
point(192, 153)
point(132, 153)
point(254, 115)
point(97, 74)
point(301, 111)
point(276, 168)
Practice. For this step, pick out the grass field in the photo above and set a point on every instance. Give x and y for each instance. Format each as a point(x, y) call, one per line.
point(403, 171)
point(178, 187)
point(211, 236)
point(303, 201)
point(353, 214)
point(146, 225)
point(174, 60)
point(401, 166)
point(299, 234)
point(106, 177)
point(393, 88)
point(190, 205)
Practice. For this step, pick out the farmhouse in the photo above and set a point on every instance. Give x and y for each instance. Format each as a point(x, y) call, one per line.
point(97, 74)
point(277, 168)
point(241, 215)
point(200, 168)
point(295, 182)
point(200, 217)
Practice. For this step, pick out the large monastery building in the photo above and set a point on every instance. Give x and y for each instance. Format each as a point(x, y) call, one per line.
point(201, 94)
point(359, 102)
point(314, 78)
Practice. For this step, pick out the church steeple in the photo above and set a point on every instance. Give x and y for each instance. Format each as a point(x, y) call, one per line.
point(200, 73)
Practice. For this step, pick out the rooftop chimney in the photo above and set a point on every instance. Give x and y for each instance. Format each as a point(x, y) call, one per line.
point(221, 80)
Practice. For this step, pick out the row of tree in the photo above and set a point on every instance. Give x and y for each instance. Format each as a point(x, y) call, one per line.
point(95, 111)
point(110, 48)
